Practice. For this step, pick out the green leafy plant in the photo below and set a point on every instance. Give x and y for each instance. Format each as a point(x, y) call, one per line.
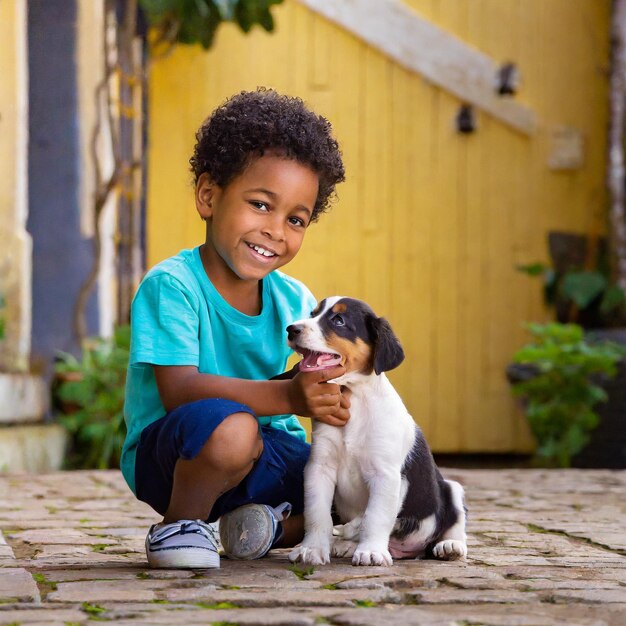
point(579, 294)
point(577, 283)
point(196, 21)
point(561, 387)
point(89, 392)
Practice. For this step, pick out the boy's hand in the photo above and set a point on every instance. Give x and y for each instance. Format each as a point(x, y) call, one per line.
point(312, 396)
point(343, 414)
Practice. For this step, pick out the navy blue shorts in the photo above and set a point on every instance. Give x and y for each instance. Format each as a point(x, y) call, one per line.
point(277, 476)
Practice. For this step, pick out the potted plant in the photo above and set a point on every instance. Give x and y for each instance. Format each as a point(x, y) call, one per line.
point(586, 282)
point(578, 283)
point(561, 376)
point(88, 394)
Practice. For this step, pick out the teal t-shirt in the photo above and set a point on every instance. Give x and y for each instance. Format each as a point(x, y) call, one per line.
point(179, 318)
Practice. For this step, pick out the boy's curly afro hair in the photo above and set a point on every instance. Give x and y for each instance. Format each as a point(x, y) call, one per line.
point(253, 122)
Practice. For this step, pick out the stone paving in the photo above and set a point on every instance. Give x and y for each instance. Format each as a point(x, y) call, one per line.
point(545, 547)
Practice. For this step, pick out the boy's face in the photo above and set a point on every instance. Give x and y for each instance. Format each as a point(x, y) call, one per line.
point(256, 223)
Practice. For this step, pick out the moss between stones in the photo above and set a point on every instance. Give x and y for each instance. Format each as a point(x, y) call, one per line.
point(449, 583)
point(45, 585)
point(218, 605)
point(301, 573)
point(99, 547)
point(93, 610)
point(547, 531)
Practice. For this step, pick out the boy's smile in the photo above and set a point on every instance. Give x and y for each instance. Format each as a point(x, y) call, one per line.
point(256, 223)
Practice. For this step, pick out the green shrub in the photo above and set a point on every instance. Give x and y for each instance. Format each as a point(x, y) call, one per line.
point(579, 295)
point(563, 388)
point(196, 21)
point(89, 393)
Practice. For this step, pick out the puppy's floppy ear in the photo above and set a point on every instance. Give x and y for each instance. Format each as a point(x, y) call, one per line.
point(388, 352)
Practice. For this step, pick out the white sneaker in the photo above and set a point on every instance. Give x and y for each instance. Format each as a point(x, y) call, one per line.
point(188, 544)
point(251, 530)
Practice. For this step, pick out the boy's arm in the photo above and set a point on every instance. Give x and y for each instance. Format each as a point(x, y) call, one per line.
point(307, 394)
point(288, 375)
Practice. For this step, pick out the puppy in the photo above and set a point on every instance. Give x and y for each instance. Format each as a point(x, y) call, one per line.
point(378, 470)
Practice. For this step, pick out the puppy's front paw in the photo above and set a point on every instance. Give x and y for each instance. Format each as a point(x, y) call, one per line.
point(450, 550)
point(309, 555)
point(343, 548)
point(363, 556)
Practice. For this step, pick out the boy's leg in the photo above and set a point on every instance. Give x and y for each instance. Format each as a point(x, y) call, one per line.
point(183, 539)
point(206, 449)
point(222, 463)
point(275, 486)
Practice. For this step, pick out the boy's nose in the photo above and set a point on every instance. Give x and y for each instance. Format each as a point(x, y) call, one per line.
point(274, 230)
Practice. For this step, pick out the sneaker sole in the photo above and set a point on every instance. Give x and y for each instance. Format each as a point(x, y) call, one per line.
point(184, 558)
point(251, 542)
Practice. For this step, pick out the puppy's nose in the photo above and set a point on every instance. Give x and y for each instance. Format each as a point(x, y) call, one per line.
point(293, 331)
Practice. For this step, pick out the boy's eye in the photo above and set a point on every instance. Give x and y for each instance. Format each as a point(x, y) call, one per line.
point(296, 221)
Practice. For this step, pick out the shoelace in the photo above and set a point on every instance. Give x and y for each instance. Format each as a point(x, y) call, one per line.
point(184, 527)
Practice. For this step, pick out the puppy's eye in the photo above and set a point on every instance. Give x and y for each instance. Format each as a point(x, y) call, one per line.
point(337, 320)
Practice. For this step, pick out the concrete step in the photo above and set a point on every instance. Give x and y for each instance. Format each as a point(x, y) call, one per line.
point(23, 398)
point(32, 448)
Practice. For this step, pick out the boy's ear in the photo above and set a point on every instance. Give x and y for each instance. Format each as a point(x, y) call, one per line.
point(205, 190)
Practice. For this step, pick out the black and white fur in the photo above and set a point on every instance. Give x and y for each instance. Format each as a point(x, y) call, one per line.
point(378, 470)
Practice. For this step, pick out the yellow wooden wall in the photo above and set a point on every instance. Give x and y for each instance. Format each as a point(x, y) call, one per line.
point(430, 224)
point(15, 241)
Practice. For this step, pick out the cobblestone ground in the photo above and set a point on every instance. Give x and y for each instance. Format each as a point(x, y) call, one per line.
point(546, 547)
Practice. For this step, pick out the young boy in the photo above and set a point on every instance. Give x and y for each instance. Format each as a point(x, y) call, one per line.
point(211, 426)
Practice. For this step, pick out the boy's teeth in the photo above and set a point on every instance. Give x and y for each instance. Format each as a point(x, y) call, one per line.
point(262, 251)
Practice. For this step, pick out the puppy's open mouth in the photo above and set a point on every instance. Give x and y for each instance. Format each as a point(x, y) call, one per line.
point(312, 361)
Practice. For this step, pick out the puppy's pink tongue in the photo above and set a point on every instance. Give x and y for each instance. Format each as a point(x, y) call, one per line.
point(313, 361)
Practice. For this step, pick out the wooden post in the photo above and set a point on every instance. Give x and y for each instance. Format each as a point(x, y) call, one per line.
point(15, 241)
point(616, 178)
point(129, 206)
point(119, 117)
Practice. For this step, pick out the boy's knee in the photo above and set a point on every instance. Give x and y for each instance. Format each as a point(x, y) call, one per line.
point(235, 443)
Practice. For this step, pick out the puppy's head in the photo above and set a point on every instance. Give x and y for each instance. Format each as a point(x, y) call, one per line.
point(345, 331)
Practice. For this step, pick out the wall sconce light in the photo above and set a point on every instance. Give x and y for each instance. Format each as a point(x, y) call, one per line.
point(507, 80)
point(466, 119)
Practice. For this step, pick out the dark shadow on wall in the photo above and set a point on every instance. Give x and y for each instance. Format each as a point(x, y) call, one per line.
point(61, 256)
